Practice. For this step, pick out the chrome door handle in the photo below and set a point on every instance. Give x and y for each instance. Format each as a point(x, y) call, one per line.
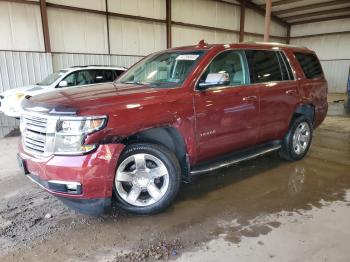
point(291, 92)
point(249, 98)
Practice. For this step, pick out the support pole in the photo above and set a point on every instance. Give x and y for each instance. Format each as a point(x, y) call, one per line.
point(45, 24)
point(242, 22)
point(107, 23)
point(288, 34)
point(267, 21)
point(168, 24)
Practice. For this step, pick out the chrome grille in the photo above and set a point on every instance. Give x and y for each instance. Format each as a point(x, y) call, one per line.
point(34, 129)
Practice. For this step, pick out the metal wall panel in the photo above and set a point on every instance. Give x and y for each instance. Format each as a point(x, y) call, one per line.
point(336, 72)
point(331, 26)
point(327, 47)
point(334, 53)
point(20, 69)
point(61, 61)
point(134, 37)
point(77, 32)
point(253, 38)
point(126, 61)
point(89, 4)
point(191, 36)
point(254, 23)
point(205, 12)
point(146, 8)
point(20, 27)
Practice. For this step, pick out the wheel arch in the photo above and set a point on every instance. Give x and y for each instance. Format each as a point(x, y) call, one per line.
point(307, 110)
point(168, 136)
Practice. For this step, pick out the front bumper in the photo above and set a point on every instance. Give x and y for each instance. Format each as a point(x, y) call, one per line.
point(11, 108)
point(90, 177)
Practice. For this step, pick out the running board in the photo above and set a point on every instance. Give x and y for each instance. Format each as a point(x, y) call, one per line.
point(235, 158)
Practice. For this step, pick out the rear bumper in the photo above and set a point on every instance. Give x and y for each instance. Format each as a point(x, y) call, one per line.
point(78, 180)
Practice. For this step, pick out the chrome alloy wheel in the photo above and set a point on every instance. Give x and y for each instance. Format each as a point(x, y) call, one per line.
point(142, 180)
point(301, 138)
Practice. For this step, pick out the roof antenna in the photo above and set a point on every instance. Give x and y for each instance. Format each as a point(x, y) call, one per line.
point(202, 43)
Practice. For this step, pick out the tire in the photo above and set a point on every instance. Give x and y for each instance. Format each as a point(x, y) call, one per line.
point(147, 179)
point(297, 141)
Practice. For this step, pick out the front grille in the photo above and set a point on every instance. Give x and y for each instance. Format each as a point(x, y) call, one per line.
point(34, 131)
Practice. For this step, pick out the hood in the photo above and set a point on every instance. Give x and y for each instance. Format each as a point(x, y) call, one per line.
point(25, 90)
point(95, 98)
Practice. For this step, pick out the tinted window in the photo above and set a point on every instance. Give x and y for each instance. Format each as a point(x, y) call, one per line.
point(103, 76)
point(310, 65)
point(117, 73)
point(264, 66)
point(230, 62)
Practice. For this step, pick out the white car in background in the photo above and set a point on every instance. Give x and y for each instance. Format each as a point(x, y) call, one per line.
point(10, 100)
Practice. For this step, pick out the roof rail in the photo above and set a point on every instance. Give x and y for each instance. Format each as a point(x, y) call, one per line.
point(99, 66)
point(273, 43)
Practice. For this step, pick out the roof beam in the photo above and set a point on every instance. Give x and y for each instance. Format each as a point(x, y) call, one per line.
point(282, 2)
point(312, 6)
point(325, 12)
point(321, 19)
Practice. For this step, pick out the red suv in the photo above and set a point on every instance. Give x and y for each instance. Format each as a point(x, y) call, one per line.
point(175, 114)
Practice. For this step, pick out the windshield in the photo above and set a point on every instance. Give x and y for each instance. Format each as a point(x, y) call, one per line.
point(52, 78)
point(167, 69)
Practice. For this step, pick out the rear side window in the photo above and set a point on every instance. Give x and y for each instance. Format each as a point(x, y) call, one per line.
point(103, 76)
point(311, 66)
point(264, 66)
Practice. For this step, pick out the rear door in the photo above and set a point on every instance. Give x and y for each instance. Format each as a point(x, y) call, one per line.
point(278, 89)
point(226, 116)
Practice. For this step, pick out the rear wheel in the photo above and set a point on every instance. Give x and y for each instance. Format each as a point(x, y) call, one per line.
point(147, 178)
point(298, 139)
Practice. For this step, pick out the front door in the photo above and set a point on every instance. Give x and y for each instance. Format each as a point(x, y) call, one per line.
point(227, 116)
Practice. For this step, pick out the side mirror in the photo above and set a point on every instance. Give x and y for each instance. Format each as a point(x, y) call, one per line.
point(63, 83)
point(215, 79)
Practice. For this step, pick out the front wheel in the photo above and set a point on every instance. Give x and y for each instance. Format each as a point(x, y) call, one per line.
point(298, 139)
point(147, 178)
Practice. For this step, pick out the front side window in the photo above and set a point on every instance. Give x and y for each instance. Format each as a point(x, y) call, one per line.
point(86, 77)
point(264, 66)
point(231, 63)
point(71, 79)
point(167, 69)
point(49, 80)
point(311, 66)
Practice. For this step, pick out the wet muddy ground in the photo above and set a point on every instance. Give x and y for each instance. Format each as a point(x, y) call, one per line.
point(265, 209)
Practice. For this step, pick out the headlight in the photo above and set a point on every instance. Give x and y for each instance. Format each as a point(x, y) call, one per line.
point(19, 96)
point(71, 132)
point(86, 126)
